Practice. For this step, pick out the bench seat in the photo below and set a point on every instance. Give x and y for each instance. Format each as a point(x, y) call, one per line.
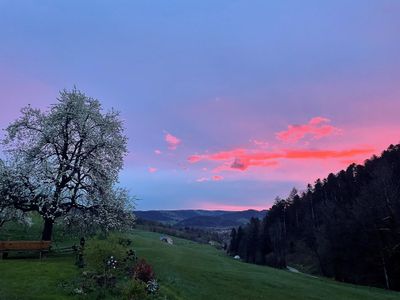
point(20, 246)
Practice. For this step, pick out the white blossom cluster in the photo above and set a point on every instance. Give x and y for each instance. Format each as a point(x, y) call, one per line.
point(65, 159)
point(111, 263)
point(113, 213)
point(8, 212)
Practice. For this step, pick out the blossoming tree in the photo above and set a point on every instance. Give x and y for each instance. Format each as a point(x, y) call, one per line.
point(8, 213)
point(65, 160)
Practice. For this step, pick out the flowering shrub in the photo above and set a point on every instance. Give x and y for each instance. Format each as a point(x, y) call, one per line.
point(110, 263)
point(102, 255)
point(143, 271)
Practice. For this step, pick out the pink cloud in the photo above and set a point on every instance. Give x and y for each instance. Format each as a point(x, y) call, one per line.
point(239, 158)
point(242, 159)
point(245, 164)
point(316, 128)
point(357, 161)
point(172, 141)
point(158, 152)
point(223, 155)
point(195, 158)
point(152, 170)
point(220, 206)
point(217, 177)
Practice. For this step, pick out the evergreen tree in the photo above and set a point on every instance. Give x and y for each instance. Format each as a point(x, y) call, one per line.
point(346, 226)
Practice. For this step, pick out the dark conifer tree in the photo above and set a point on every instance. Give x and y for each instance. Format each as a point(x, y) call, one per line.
point(346, 226)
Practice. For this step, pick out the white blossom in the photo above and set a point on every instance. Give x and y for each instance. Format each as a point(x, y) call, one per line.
point(65, 159)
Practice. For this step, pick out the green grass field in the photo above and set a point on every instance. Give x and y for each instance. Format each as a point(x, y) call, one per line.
point(185, 270)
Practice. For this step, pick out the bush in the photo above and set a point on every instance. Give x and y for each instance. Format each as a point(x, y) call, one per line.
point(134, 290)
point(143, 271)
point(110, 262)
point(125, 241)
point(100, 252)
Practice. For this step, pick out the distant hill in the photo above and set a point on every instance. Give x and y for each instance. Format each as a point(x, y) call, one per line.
point(201, 218)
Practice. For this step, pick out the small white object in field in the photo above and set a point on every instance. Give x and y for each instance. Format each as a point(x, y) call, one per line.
point(236, 257)
point(166, 239)
point(291, 269)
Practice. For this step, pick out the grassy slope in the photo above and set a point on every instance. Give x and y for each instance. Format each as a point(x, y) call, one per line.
point(192, 271)
point(186, 270)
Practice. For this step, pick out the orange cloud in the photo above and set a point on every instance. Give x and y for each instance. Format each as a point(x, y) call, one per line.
point(316, 128)
point(241, 159)
point(217, 178)
point(172, 141)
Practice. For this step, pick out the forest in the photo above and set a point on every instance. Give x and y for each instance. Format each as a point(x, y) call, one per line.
point(345, 226)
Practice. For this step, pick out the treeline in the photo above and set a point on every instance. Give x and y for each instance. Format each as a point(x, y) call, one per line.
point(346, 226)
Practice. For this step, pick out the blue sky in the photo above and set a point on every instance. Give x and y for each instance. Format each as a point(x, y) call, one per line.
point(223, 78)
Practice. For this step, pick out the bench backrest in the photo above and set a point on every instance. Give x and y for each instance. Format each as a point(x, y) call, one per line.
point(24, 245)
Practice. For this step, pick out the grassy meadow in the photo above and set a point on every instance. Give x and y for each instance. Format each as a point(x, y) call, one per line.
point(185, 270)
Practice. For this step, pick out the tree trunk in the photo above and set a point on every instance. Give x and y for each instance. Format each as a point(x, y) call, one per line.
point(313, 214)
point(385, 271)
point(321, 265)
point(47, 229)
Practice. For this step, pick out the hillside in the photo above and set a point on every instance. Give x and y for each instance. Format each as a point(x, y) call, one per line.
point(345, 226)
point(193, 271)
point(200, 218)
point(186, 270)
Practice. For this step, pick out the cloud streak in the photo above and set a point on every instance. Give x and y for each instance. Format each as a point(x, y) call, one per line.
point(213, 178)
point(242, 159)
point(223, 206)
point(316, 128)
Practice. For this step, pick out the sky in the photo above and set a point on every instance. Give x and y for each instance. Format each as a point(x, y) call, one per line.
point(227, 104)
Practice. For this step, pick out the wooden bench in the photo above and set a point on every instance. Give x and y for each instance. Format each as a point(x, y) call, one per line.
point(24, 246)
